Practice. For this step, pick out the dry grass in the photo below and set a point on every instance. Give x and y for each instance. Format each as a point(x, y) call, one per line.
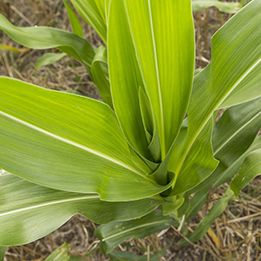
point(237, 231)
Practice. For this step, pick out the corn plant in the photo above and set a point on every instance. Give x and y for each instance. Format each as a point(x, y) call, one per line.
point(146, 156)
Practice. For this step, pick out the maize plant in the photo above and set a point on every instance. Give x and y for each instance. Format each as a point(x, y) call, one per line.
point(146, 156)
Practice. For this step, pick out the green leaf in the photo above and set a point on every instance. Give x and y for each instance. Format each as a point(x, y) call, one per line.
point(102, 6)
point(114, 233)
point(41, 37)
point(125, 79)
point(220, 176)
point(77, 258)
point(85, 153)
point(2, 253)
point(250, 168)
point(59, 254)
point(29, 212)
point(199, 164)
point(199, 5)
point(48, 58)
point(238, 125)
point(146, 114)
point(244, 2)
point(93, 12)
point(236, 130)
point(248, 171)
point(215, 212)
point(165, 55)
point(99, 73)
point(151, 135)
point(171, 205)
point(74, 21)
point(247, 90)
point(236, 41)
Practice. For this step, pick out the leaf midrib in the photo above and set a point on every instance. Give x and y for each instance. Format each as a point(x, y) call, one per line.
point(163, 152)
point(234, 134)
point(209, 115)
point(133, 229)
point(46, 204)
point(72, 143)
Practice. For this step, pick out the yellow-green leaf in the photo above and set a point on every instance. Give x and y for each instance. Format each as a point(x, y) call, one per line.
point(68, 142)
point(163, 37)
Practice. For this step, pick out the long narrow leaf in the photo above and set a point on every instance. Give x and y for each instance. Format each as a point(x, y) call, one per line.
point(165, 55)
point(238, 125)
point(199, 164)
point(36, 211)
point(99, 73)
point(60, 254)
point(74, 21)
point(40, 37)
point(48, 58)
point(92, 11)
point(248, 171)
point(2, 253)
point(249, 89)
point(235, 131)
point(220, 176)
point(215, 212)
point(125, 78)
point(114, 233)
point(225, 72)
point(86, 153)
point(151, 134)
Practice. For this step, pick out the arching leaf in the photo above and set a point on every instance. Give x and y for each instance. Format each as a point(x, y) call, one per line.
point(42, 37)
point(86, 153)
point(29, 212)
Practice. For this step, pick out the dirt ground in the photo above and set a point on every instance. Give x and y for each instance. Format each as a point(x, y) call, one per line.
point(238, 230)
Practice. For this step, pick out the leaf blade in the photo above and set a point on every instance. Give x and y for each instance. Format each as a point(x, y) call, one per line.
point(2, 253)
point(199, 164)
point(38, 210)
point(47, 59)
point(238, 125)
point(168, 90)
point(59, 254)
point(114, 233)
point(222, 72)
point(250, 168)
point(42, 37)
point(90, 11)
point(74, 21)
point(99, 72)
point(90, 141)
point(247, 90)
point(125, 83)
